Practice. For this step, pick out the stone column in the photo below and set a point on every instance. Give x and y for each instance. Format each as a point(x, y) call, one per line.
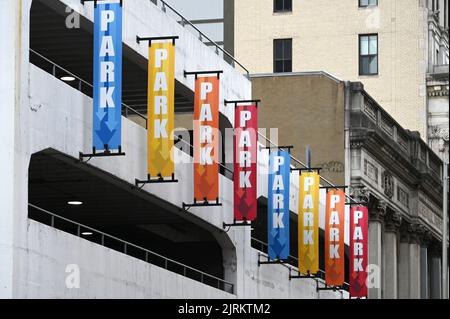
point(414, 246)
point(409, 262)
point(376, 217)
point(390, 250)
point(403, 265)
point(435, 265)
point(424, 279)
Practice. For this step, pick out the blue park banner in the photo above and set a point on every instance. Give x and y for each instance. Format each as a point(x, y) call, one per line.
point(107, 124)
point(278, 208)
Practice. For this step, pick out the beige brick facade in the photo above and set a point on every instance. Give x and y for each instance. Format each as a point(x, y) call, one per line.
point(325, 37)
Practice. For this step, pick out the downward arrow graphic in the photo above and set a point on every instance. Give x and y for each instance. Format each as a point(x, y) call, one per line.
point(100, 116)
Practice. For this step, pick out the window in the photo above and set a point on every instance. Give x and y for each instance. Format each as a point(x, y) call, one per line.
point(368, 54)
point(367, 3)
point(282, 6)
point(282, 55)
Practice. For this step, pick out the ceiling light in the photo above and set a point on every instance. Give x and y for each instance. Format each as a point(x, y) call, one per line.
point(68, 78)
point(75, 203)
point(87, 233)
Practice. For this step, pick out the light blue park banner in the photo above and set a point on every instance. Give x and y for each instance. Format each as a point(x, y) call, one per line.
point(107, 124)
point(278, 207)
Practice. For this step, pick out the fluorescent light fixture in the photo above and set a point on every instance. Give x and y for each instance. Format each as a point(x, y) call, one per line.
point(68, 78)
point(87, 233)
point(75, 203)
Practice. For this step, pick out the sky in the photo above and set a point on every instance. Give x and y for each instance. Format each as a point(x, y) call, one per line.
point(198, 9)
point(202, 9)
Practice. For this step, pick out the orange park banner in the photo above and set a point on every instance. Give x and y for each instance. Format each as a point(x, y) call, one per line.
point(161, 91)
point(334, 238)
point(308, 223)
point(206, 139)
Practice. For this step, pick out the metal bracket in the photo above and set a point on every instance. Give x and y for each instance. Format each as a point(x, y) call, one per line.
point(95, 2)
point(307, 276)
point(158, 180)
point(307, 169)
point(197, 73)
point(269, 261)
point(226, 102)
point(236, 224)
point(205, 203)
point(106, 153)
point(329, 288)
point(333, 187)
point(150, 39)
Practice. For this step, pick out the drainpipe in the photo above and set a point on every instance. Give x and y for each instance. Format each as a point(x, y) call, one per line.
point(347, 154)
point(444, 228)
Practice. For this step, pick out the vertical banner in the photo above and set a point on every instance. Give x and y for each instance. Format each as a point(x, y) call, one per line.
point(359, 229)
point(334, 238)
point(245, 161)
point(278, 207)
point(308, 223)
point(206, 139)
point(161, 108)
point(107, 120)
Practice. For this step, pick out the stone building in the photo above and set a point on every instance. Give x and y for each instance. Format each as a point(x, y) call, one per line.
point(399, 177)
point(398, 49)
point(391, 169)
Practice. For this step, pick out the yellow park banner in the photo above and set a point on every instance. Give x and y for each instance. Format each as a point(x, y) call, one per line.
point(161, 91)
point(308, 223)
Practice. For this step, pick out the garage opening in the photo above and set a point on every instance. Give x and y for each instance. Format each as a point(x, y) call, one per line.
point(87, 202)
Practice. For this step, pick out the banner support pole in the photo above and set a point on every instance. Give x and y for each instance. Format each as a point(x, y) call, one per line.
point(236, 224)
point(106, 153)
point(303, 277)
point(197, 73)
point(186, 207)
point(270, 261)
point(150, 39)
point(96, 1)
point(158, 180)
point(256, 102)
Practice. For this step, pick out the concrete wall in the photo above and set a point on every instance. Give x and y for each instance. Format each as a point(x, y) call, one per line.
point(325, 37)
point(295, 105)
point(42, 112)
point(74, 115)
point(103, 273)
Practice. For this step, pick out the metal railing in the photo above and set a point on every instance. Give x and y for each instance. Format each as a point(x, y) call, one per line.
point(55, 67)
point(292, 261)
point(129, 249)
point(201, 36)
point(78, 83)
point(296, 160)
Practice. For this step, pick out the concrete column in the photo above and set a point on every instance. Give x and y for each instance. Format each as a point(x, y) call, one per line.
point(409, 263)
point(403, 269)
point(414, 292)
point(376, 216)
point(390, 251)
point(425, 243)
point(435, 271)
point(423, 272)
point(10, 16)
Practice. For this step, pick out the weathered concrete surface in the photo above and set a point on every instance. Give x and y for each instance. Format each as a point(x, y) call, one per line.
point(103, 273)
point(43, 112)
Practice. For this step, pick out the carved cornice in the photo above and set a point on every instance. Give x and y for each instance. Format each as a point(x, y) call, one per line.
point(360, 193)
point(412, 232)
point(378, 212)
point(426, 238)
point(392, 221)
